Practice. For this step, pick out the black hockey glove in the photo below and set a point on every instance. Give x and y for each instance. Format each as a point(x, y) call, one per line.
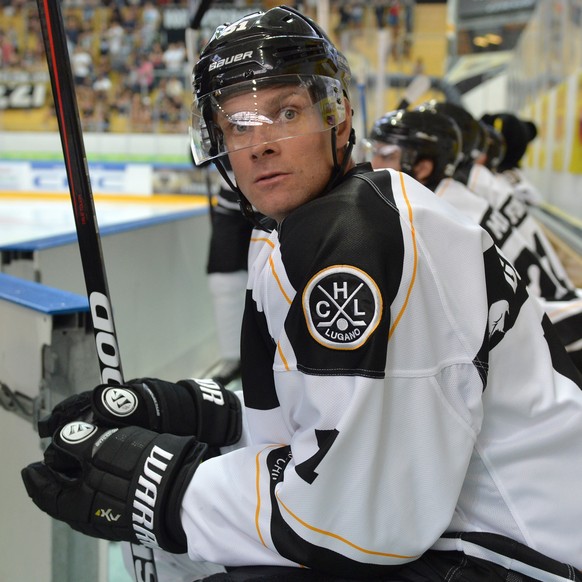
point(118, 484)
point(200, 408)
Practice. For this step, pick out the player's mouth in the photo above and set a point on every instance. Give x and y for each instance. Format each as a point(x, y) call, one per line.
point(270, 178)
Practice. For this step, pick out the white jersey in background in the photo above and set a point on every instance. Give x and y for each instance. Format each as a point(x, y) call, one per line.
point(521, 240)
point(522, 187)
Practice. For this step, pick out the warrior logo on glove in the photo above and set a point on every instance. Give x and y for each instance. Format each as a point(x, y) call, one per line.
point(119, 401)
point(77, 432)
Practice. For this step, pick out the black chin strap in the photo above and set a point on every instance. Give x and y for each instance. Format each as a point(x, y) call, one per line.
point(339, 169)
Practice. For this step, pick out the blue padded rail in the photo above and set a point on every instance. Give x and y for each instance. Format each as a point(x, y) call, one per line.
point(106, 230)
point(40, 297)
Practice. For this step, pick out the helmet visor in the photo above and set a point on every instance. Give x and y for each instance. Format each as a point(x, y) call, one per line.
point(263, 111)
point(382, 154)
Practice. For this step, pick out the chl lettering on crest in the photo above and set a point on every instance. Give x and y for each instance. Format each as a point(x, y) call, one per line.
point(342, 306)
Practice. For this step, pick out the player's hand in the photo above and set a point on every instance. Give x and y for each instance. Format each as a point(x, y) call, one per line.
point(118, 484)
point(200, 408)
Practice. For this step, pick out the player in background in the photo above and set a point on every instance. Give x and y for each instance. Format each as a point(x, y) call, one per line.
point(426, 144)
point(470, 170)
point(494, 150)
point(227, 271)
point(541, 267)
point(408, 412)
point(518, 134)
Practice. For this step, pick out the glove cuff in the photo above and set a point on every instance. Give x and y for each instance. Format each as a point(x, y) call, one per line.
point(219, 412)
point(157, 488)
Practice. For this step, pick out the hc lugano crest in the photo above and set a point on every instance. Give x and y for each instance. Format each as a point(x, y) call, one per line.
point(342, 307)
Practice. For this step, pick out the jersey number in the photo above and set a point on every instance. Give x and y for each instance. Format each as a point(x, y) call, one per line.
point(325, 439)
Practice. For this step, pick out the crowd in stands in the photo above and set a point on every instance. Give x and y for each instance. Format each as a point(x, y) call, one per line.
point(129, 76)
point(397, 16)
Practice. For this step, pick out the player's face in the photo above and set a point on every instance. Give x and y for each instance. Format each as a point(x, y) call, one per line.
point(386, 156)
point(278, 175)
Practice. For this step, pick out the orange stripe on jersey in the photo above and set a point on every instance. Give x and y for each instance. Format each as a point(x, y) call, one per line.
point(283, 358)
point(415, 260)
point(262, 239)
point(340, 538)
point(476, 170)
point(441, 190)
point(278, 280)
point(258, 489)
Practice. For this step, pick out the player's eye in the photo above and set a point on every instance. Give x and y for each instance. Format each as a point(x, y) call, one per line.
point(288, 114)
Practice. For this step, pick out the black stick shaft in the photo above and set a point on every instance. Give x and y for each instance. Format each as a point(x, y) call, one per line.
point(65, 101)
point(67, 112)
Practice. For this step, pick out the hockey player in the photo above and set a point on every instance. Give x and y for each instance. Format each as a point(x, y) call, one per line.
point(518, 134)
point(227, 270)
point(549, 277)
point(426, 144)
point(408, 413)
point(475, 175)
point(495, 148)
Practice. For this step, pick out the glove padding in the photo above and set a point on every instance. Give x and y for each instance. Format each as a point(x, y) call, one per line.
point(200, 408)
point(118, 484)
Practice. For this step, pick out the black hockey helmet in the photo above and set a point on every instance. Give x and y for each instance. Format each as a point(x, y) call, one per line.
point(420, 134)
point(278, 46)
point(473, 135)
point(518, 133)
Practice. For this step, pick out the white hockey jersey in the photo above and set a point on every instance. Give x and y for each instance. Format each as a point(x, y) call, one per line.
point(399, 383)
point(549, 278)
point(521, 239)
point(522, 187)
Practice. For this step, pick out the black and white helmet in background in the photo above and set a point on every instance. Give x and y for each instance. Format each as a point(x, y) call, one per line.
point(473, 134)
point(419, 134)
point(278, 47)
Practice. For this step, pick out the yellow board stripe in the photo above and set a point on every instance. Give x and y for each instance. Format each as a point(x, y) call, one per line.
point(115, 198)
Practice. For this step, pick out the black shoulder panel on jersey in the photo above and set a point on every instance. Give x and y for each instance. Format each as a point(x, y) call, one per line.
point(343, 253)
point(257, 359)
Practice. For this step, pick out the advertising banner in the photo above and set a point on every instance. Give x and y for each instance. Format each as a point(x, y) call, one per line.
point(51, 177)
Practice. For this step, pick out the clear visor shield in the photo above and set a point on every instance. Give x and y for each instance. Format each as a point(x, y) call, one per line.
point(263, 111)
point(382, 155)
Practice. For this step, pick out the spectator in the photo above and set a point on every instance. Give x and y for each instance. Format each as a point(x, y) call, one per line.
point(81, 65)
point(114, 35)
point(175, 57)
point(151, 18)
point(102, 84)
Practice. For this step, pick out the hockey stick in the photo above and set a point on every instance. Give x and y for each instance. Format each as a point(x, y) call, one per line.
point(419, 85)
point(59, 65)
